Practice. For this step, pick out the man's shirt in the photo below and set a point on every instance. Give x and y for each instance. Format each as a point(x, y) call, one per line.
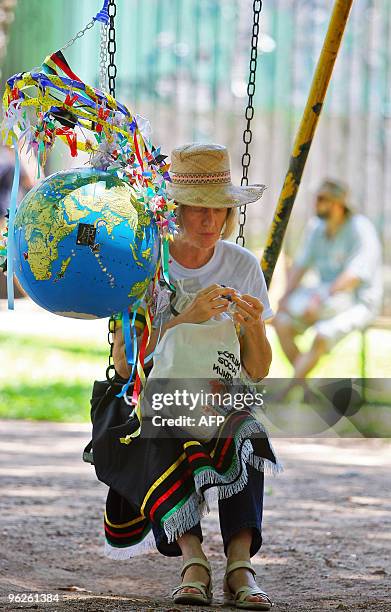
point(355, 248)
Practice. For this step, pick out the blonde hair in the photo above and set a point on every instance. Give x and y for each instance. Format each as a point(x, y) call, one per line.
point(229, 226)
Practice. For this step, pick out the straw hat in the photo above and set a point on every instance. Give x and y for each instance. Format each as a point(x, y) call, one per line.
point(200, 175)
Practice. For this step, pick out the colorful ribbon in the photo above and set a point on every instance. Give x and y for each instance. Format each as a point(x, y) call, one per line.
point(131, 349)
point(54, 103)
point(140, 381)
point(103, 15)
point(11, 228)
point(71, 137)
point(165, 268)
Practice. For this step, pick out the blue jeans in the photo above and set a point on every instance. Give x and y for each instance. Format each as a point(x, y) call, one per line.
point(241, 511)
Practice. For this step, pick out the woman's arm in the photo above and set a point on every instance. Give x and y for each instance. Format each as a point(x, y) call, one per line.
point(119, 355)
point(256, 352)
point(119, 358)
point(255, 349)
point(205, 305)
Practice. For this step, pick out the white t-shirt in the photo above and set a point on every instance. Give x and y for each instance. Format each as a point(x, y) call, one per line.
point(230, 265)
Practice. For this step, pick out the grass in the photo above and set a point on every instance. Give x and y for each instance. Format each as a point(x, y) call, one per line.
point(51, 379)
point(57, 401)
point(48, 379)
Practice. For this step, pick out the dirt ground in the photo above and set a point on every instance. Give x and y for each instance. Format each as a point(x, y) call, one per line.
point(327, 529)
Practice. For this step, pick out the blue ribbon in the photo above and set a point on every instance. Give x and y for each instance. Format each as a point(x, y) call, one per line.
point(103, 15)
point(131, 351)
point(157, 342)
point(68, 83)
point(11, 223)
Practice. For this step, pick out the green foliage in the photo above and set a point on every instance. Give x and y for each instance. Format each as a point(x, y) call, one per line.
point(56, 401)
point(48, 379)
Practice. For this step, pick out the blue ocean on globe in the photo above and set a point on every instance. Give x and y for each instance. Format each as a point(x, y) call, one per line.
point(85, 247)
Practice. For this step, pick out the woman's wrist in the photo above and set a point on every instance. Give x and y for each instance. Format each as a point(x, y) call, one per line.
point(258, 327)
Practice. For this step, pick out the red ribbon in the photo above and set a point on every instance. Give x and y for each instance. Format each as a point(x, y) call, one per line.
point(71, 138)
point(14, 94)
point(136, 148)
point(102, 114)
point(69, 101)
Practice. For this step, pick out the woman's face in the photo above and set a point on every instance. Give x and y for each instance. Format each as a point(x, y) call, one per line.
point(202, 226)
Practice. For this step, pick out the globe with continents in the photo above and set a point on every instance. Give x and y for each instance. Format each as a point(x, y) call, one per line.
point(85, 247)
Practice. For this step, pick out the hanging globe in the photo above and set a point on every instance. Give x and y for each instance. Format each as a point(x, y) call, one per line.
point(84, 246)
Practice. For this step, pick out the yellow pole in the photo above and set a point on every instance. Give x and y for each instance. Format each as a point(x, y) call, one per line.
point(305, 135)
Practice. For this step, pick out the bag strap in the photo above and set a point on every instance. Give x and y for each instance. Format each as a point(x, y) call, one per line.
point(87, 453)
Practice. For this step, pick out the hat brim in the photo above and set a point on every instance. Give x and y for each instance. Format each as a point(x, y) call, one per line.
point(214, 196)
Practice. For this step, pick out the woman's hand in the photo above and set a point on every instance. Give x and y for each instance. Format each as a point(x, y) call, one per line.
point(248, 311)
point(206, 304)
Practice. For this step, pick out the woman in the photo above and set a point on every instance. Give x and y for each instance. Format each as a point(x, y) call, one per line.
point(163, 482)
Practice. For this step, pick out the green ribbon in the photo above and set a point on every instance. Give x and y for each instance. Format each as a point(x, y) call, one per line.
point(165, 257)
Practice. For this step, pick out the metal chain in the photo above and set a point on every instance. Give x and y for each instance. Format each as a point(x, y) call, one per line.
point(78, 35)
point(249, 114)
point(111, 75)
point(112, 47)
point(103, 55)
point(110, 338)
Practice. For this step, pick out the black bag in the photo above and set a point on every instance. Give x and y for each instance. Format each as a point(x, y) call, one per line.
point(107, 412)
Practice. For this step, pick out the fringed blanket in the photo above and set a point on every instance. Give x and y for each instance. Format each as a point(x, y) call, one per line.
point(167, 479)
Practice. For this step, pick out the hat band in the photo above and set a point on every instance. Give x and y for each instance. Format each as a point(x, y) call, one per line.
point(200, 179)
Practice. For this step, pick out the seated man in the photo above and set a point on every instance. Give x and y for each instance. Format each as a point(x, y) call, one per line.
point(343, 249)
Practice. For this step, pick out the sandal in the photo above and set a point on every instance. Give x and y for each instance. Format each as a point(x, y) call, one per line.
point(238, 599)
point(204, 597)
